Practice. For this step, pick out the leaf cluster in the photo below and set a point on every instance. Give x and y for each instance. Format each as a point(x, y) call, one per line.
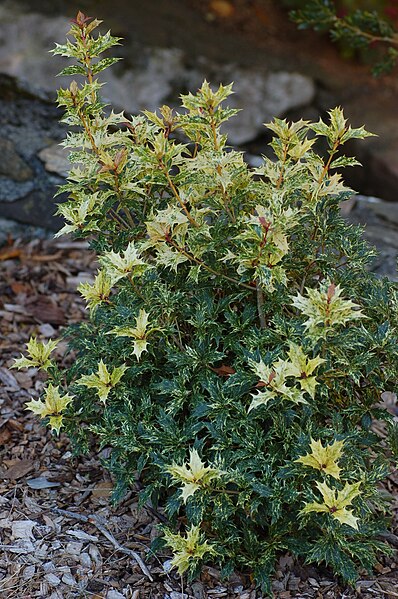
point(237, 346)
point(357, 29)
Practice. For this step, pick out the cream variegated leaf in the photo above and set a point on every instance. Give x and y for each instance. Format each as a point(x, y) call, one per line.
point(127, 263)
point(324, 458)
point(336, 502)
point(326, 309)
point(273, 384)
point(187, 549)
point(38, 355)
point(52, 406)
point(194, 475)
point(301, 367)
point(97, 292)
point(139, 333)
point(103, 380)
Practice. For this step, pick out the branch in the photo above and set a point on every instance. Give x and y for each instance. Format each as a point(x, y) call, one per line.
point(260, 305)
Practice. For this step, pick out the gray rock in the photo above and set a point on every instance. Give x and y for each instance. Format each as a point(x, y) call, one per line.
point(380, 229)
point(9, 228)
point(386, 210)
point(55, 158)
point(26, 40)
point(253, 160)
point(150, 76)
point(262, 96)
point(28, 125)
point(10, 190)
point(37, 208)
point(11, 164)
point(164, 75)
point(149, 83)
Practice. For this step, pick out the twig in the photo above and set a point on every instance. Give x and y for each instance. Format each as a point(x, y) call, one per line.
point(380, 590)
point(260, 305)
point(93, 519)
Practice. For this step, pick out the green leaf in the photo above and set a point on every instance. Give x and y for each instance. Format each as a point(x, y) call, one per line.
point(73, 70)
point(103, 64)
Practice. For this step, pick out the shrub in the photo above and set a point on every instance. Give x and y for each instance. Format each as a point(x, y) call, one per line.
point(237, 347)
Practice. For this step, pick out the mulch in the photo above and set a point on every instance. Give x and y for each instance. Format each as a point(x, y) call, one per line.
point(60, 536)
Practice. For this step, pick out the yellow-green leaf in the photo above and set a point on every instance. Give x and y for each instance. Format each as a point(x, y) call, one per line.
point(39, 355)
point(335, 503)
point(186, 549)
point(52, 406)
point(103, 380)
point(324, 458)
point(194, 475)
point(98, 292)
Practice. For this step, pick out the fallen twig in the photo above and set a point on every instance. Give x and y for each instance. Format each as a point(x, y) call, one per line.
point(93, 519)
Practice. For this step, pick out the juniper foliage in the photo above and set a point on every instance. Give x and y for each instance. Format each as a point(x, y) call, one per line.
point(237, 346)
point(358, 29)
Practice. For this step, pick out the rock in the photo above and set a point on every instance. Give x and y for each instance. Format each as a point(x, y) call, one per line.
point(24, 55)
point(150, 82)
point(379, 219)
point(33, 162)
point(55, 158)
point(261, 97)
point(28, 125)
point(378, 155)
point(151, 76)
point(12, 165)
point(253, 160)
point(11, 190)
point(9, 228)
point(36, 208)
point(386, 210)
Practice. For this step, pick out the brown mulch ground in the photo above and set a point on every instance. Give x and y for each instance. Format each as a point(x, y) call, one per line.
point(60, 537)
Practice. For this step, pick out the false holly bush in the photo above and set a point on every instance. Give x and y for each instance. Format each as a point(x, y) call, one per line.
point(237, 346)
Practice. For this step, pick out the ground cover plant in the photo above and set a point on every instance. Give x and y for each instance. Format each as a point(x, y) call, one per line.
point(237, 348)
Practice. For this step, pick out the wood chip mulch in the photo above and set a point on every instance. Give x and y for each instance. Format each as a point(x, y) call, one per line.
point(60, 536)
